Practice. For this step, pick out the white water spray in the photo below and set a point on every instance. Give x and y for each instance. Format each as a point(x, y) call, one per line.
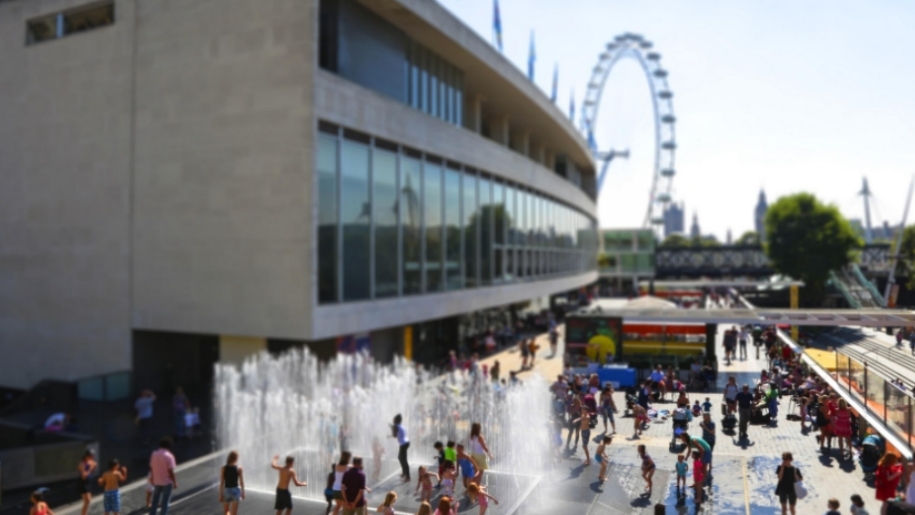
point(295, 405)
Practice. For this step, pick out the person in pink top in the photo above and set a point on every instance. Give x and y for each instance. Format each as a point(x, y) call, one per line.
point(162, 471)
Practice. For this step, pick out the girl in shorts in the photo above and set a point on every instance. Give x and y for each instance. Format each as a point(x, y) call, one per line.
point(648, 467)
point(600, 456)
point(698, 476)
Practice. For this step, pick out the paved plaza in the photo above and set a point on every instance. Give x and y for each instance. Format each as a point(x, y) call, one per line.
point(743, 475)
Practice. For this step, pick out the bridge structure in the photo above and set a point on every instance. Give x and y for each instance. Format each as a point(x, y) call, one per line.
point(745, 261)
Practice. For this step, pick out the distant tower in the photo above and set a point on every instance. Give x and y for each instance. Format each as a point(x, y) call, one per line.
point(673, 219)
point(694, 231)
point(761, 207)
point(729, 237)
point(866, 193)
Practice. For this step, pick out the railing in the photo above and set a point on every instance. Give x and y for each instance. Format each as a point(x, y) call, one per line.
point(856, 270)
point(889, 403)
point(843, 288)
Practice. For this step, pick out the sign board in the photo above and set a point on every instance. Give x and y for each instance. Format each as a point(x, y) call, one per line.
point(599, 338)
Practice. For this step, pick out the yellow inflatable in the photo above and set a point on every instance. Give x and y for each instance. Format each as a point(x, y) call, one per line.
point(599, 346)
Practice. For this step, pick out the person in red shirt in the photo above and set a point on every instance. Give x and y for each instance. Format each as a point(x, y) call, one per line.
point(889, 472)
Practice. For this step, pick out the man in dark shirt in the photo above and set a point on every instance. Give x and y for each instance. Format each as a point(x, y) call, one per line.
point(354, 489)
point(744, 408)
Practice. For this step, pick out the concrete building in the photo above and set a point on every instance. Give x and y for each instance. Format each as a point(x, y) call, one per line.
point(186, 182)
point(674, 218)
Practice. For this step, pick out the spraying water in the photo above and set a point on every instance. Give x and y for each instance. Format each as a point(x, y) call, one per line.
point(295, 405)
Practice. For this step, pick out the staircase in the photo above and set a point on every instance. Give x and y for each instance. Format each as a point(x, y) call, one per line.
point(857, 290)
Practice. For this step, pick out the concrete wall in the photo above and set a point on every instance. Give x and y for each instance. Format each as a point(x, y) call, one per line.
point(64, 197)
point(223, 158)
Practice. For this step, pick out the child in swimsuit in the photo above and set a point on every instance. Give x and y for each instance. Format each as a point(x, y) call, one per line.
point(440, 457)
point(387, 508)
point(425, 481)
point(600, 455)
point(698, 476)
point(448, 479)
point(648, 467)
point(478, 494)
point(39, 507)
point(682, 469)
point(111, 479)
point(468, 466)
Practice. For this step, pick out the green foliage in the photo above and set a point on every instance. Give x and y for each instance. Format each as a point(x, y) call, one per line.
point(748, 238)
point(807, 239)
point(705, 241)
point(676, 240)
point(906, 263)
point(605, 260)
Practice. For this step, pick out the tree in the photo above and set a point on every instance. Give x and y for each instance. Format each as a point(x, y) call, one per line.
point(605, 260)
point(748, 238)
point(676, 240)
point(705, 241)
point(808, 239)
point(906, 263)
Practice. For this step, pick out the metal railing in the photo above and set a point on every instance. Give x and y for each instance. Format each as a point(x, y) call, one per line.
point(878, 298)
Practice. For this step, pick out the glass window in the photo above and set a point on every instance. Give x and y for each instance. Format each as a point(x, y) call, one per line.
point(459, 99)
point(384, 213)
point(486, 223)
point(327, 219)
point(410, 221)
point(432, 209)
point(433, 83)
point(510, 223)
point(471, 232)
point(354, 214)
point(498, 200)
point(423, 63)
point(453, 230)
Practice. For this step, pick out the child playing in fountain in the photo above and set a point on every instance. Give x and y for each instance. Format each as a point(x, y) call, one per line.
point(425, 482)
point(111, 480)
point(387, 508)
point(478, 495)
point(648, 468)
point(377, 453)
point(682, 469)
point(469, 469)
point(440, 457)
point(600, 456)
point(450, 452)
point(448, 477)
point(287, 475)
point(698, 476)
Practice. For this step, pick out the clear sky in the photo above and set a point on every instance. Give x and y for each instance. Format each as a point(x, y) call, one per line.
point(782, 95)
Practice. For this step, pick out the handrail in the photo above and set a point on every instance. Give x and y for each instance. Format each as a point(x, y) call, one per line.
point(863, 410)
point(856, 270)
point(843, 288)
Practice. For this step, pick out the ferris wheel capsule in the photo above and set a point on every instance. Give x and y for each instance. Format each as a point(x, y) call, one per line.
point(661, 74)
point(668, 172)
point(663, 197)
point(668, 118)
point(665, 95)
point(620, 38)
point(653, 56)
point(646, 44)
point(669, 145)
point(658, 220)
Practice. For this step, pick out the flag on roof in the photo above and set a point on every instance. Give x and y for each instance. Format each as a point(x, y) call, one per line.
point(531, 59)
point(555, 91)
point(497, 24)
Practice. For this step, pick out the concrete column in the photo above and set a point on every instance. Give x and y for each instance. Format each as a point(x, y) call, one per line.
point(474, 116)
point(521, 142)
point(538, 153)
point(499, 129)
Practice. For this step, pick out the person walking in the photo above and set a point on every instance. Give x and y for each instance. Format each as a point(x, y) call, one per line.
point(708, 432)
point(162, 468)
point(788, 475)
point(742, 340)
point(144, 409)
point(354, 489)
point(87, 468)
point(730, 394)
point(340, 468)
point(399, 432)
point(181, 407)
point(231, 485)
point(842, 429)
point(608, 407)
point(887, 477)
point(744, 409)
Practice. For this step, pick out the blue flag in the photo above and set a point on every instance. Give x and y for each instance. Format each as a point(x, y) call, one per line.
point(572, 107)
point(531, 58)
point(555, 92)
point(497, 24)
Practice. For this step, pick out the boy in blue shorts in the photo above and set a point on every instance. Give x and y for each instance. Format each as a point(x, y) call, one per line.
point(469, 469)
point(682, 469)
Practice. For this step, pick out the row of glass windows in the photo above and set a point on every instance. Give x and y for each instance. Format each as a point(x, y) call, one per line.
point(434, 85)
point(393, 221)
point(73, 21)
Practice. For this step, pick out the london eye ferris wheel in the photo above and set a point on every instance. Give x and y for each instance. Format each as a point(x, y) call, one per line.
point(634, 46)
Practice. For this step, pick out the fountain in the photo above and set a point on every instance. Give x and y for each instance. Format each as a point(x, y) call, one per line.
point(295, 405)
